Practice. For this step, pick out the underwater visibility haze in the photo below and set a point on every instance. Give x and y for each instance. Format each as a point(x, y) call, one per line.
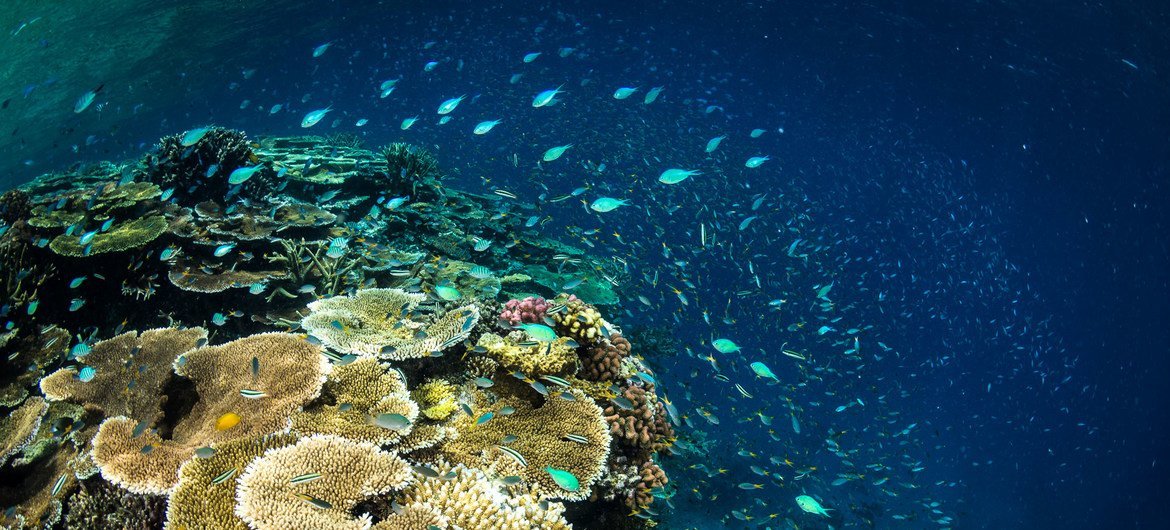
point(593, 265)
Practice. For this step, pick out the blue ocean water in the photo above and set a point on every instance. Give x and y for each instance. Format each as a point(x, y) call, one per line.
point(958, 235)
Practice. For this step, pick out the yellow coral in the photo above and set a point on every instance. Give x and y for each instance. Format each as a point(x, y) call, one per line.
point(437, 398)
point(129, 372)
point(198, 503)
point(578, 320)
point(344, 473)
point(473, 501)
point(553, 358)
point(542, 439)
point(291, 371)
point(360, 390)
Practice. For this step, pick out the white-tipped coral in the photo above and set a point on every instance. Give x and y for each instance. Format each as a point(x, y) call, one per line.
point(316, 483)
point(471, 500)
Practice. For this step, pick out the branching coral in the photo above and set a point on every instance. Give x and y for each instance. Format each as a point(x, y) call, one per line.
point(407, 166)
point(472, 501)
point(187, 169)
point(550, 435)
point(436, 398)
point(14, 206)
point(546, 358)
point(602, 360)
point(199, 502)
point(270, 496)
point(310, 262)
point(358, 392)
point(373, 322)
point(100, 505)
point(578, 320)
point(129, 371)
point(234, 402)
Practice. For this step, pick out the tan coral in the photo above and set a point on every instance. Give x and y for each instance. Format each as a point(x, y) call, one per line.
point(415, 516)
point(196, 278)
point(602, 360)
point(130, 370)
point(553, 358)
point(540, 439)
point(20, 427)
point(436, 397)
point(359, 391)
point(645, 425)
point(373, 322)
point(473, 501)
point(268, 499)
point(291, 372)
point(198, 503)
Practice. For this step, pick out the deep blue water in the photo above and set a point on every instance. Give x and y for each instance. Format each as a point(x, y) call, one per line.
point(983, 183)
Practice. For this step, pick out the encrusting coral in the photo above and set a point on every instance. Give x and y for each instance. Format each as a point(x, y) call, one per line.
point(467, 498)
point(566, 432)
point(358, 391)
point(199, 502)
point(129, 371)
point(233, 403)
point(315, 483)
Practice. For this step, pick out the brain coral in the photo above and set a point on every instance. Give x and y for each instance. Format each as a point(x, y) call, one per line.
point(358, 391)
point(270, 497)
point(542, 439)
point(129, 372)
point(472, 501)
point(291, 372)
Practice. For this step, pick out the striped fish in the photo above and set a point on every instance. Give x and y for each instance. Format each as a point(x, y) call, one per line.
point(223, 477)
point(252, 394)
point(515, 455)
point(303, 479)
point(576, 438)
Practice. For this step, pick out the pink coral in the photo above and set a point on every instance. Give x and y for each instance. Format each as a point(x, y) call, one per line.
point(530, 310)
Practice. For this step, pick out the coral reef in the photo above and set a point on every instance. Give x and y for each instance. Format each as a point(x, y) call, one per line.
point(437, 398)
point(199, 501)
point(359, 391)
point(128, 372)
point(274, 493)
point(552, 358)
point(566, 432)
point(471, 500)
point(289, 372)
point(121, 236)
point(99, 505)
point(578, 320)
point(200, 171)
point(602, 360)
point(20, 427)
point(645, 424)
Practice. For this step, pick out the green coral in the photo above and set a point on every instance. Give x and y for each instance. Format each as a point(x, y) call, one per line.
point(122, 236)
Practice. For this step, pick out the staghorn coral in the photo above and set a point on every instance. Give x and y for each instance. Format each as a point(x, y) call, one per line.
point(437, 398)
point(552, 358)
point(578, 320)
point(99, 505)
point(121, 236)
point(358, 391)
point(602, 360)
point(349, 472)
point(645, 426)
point(372, 322)
point(291, 372)
point(130, 370)
point(540, 439)
point(199, 504)
point(472, 501)
point(410, 170)
point(310, 262)
point(19, 427)
point(530, 310)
